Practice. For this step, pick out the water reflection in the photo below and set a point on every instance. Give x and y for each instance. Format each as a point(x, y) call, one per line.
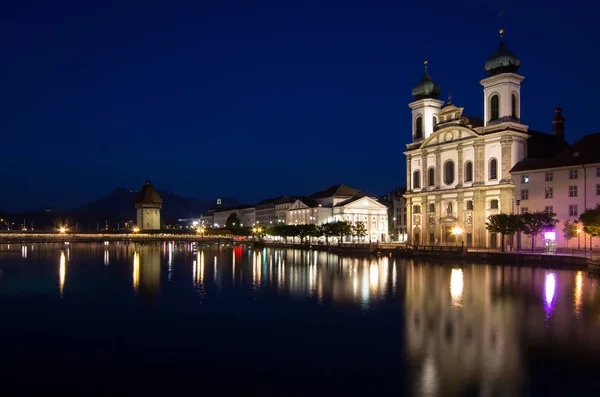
point(578, 294)
point(456, 287)
point(62, 272)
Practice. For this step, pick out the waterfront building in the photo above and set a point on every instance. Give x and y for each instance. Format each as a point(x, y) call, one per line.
point(341, 203)
point(458, 167)
point(245, 213)
point(148, 204)
point(282, 204)
point(265, 212)
point(398, 202)
point(566, 184)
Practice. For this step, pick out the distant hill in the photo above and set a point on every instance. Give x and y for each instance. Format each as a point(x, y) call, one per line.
point(119, 202)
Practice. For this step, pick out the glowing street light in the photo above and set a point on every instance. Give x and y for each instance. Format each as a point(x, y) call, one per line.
point(578, 238)
point(136, 229)
point(62, 230)
point(457, 231)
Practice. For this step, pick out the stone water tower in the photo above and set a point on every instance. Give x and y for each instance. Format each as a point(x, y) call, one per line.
point(148, 204)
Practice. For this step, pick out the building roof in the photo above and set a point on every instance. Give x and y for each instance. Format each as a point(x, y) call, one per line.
point(351, 200)
point(584, 151)
point(148, 195)
point(237, 207)
point(336, 190)
point(502, 61)
point(309, 202)
point(426, 87)
point(543, 145)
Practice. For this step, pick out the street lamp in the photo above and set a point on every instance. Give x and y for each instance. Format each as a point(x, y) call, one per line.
point(62, 230)
point(456, 231)
point(136, 229)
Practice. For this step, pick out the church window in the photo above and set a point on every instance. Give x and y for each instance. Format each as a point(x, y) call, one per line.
point(493, 169)
point(432, 207)
point(417, 179)
point(419, 128)
point(431, 177)
point(434, 120)
point(469, 205)
point(494, 204)
point(514, 106)
point(495, 107)
point(449, 173)
point(417, 209)
point(469, 171)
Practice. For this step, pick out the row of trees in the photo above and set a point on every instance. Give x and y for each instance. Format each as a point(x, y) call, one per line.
point(338, 229)
point(534, 223)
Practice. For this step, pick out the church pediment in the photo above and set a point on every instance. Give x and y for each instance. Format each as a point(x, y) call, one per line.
point(297, 205)
point(447, 135)
point(364, 203)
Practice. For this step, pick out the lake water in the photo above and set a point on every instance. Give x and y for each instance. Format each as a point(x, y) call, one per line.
point(94, 319)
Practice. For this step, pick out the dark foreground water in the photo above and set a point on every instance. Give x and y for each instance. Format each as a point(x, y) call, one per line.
point(91, 319)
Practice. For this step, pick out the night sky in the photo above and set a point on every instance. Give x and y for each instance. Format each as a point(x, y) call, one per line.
point(253, 99)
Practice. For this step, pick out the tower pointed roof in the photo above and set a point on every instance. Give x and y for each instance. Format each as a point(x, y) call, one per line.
point(148, 195)
point(426, 87)
point(502, 61)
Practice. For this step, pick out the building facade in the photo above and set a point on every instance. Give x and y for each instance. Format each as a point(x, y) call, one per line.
point(565, 184)
point(458, 167)
point(399, 231)
point(148, 204)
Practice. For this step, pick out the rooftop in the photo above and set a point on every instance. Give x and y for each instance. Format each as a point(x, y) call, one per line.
point(148, 195)
point(335, 191)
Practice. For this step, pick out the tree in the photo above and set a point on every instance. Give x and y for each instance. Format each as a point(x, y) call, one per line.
point(591, 221)
point(326, 230)
point(359, 230)
point(232, 222)
point(536, 222)
point(505, 224)
point(569, 231)
point(303, 231)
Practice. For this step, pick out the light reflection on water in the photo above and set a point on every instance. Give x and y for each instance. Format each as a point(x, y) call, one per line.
point(465, 326)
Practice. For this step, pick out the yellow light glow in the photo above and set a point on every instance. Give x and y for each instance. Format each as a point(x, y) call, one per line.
point(456, 287)
point(136, 229)
point(62, 272)
point(578, 231)
point(136, 272)
point(374, 277)
point(62, 230)
point(578, 293)
point(457, 230)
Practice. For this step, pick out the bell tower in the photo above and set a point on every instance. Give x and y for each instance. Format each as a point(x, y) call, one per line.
point(426, 106)
point(502, 87)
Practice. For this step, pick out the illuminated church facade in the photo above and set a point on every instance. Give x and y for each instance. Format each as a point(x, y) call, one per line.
point(458, 167)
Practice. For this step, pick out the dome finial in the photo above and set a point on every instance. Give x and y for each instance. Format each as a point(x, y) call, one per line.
point(501, 31)
point(425, 63)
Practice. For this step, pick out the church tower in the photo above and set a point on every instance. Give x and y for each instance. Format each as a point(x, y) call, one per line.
point(426, 107)
point(148, 204)
point(502, 89)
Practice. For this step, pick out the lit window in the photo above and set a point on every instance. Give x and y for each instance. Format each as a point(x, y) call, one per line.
point(549, 192)
point(572, 191)
point(525, 194)
point(572, 210)
point(495, 108)
point(549, 177)
point(493, 169)
point(469, 172)
point(572, 174)
point(525, 178)
point(417, 179)
point(449, 173)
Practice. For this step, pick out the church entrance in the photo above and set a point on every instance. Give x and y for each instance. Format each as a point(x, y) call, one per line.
point(449, 238)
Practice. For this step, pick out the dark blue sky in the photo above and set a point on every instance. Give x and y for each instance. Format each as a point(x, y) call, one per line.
point(253, 99)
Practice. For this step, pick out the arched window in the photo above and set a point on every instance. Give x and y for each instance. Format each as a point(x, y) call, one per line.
point(468, 171)
point(431, 207)
point(513, 105)
point(419, 128)
point(434, 121)
point(431, 177)
point(495, 108)
point(494, 204)
point(493, 169)
point(449, 173)
point(417, 179)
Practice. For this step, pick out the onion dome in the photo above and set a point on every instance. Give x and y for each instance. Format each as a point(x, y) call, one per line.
point(426, 87)
point(502, 61)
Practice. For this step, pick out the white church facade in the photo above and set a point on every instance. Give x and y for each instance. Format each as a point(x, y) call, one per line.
point(458, 167)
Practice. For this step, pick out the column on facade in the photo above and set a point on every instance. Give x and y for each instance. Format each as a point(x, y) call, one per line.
point(506, 146)
point(479, 165)
point(438, 170)
point(438, 217)
point(479, 211)
point(460, 207)
point(409, 225)
point(424, 182)
point(460, 166)
point(409, 181)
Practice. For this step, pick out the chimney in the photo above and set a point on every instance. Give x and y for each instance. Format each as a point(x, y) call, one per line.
point(559, 123)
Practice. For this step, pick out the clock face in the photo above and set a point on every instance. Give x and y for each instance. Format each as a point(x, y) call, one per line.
point(448, 137)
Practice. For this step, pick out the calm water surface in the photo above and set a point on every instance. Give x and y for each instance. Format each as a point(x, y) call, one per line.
point(118, 319)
